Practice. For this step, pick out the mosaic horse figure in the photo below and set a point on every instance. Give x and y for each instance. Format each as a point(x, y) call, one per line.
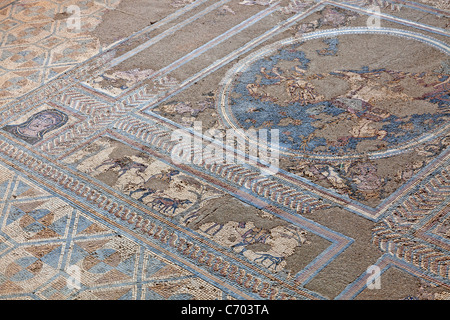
point(162, 176)
point(167, 204)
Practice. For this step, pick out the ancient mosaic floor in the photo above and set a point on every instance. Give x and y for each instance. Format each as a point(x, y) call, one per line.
point(93, 204)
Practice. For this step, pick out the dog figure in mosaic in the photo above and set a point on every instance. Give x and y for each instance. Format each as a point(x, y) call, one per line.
point(252, 236)
point(125, 165)
point(147, 192)
point(167, 204)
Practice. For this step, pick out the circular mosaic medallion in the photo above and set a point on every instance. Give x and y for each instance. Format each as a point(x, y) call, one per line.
point(342, 93)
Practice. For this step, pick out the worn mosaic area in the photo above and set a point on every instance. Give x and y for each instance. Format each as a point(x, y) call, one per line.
point(93, 204)
point(354, 112)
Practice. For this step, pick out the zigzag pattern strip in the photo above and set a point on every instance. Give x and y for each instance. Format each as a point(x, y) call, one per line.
point(405, 248)
point(426, 198)
point(157, 231)
point(78, 101)
point(84, 130)
point(101, 114)
point(140, 96)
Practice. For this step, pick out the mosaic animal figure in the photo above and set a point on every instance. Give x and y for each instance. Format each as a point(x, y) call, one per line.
point(167, 204)
point(164, 175)
point(147, 192)
point(125, 165)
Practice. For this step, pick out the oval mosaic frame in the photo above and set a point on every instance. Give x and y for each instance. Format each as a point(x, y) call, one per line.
point(226, 87)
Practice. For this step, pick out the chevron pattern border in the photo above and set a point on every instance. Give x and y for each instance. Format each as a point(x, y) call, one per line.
point(394, 233)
